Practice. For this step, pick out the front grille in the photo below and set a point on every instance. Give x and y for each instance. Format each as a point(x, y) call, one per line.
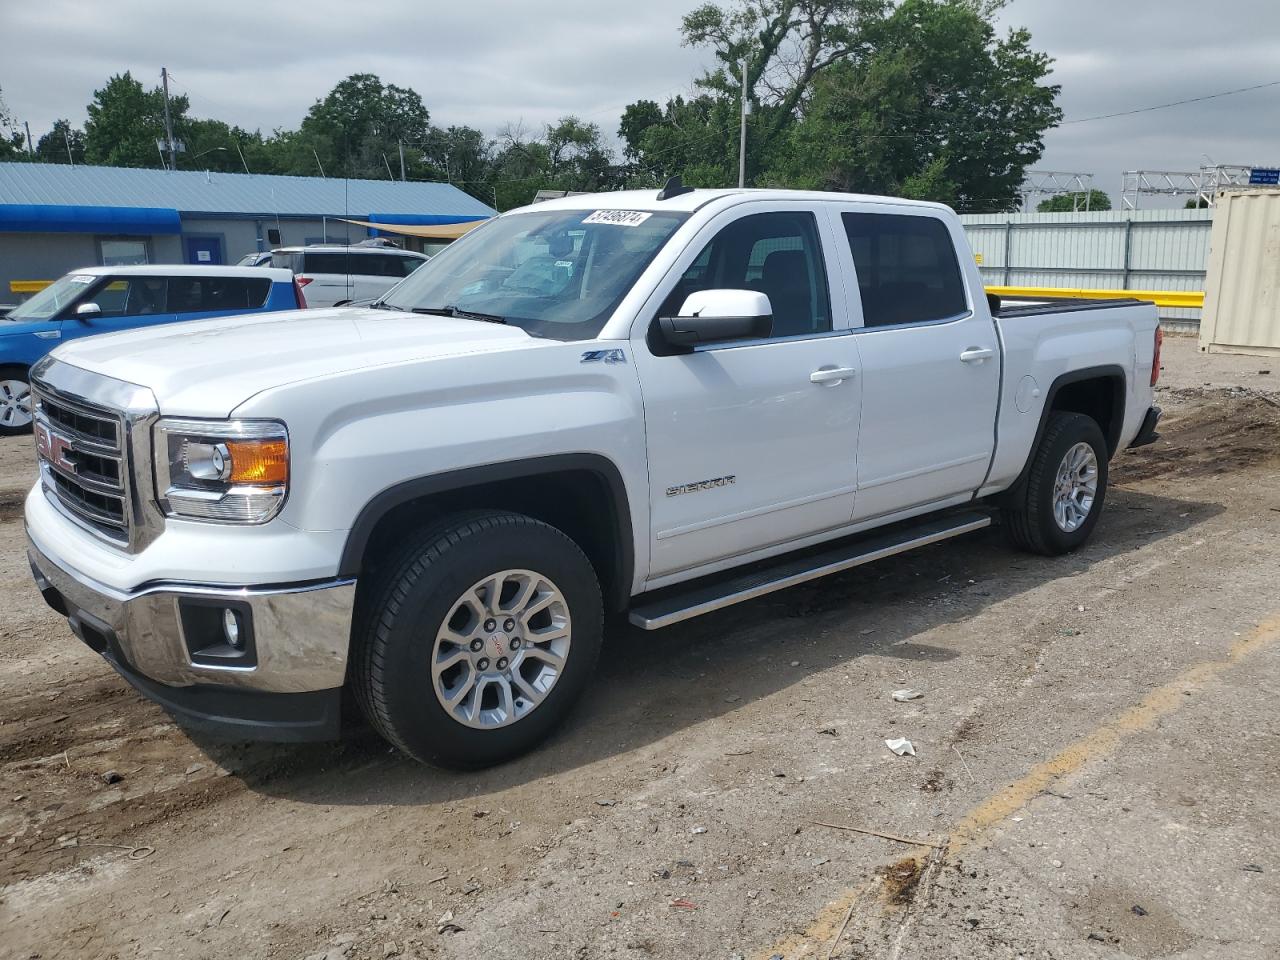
point(83, 464)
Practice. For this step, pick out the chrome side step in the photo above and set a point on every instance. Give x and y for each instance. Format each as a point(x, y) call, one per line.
point(675, 607)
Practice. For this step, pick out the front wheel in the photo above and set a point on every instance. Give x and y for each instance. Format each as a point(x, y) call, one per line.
point(1057, 509)
point(478, 640)
point(15, 401)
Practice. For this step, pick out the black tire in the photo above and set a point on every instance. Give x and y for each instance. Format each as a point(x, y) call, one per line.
point(396, 631)
point(1029, 517)
point(12, 373)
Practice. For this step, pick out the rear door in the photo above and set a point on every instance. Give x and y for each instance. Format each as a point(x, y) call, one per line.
point(930, 362)
point(328, 276)
point(203, 297)
point(746, 449)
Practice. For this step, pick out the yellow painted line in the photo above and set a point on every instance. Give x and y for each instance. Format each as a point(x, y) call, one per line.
point(1161, 298)
point(28, 286)
point(1103, 741)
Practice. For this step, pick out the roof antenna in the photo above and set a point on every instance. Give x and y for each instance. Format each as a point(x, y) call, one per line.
point(674, 188)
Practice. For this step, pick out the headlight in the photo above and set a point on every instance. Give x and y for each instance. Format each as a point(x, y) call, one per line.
point(233, 471)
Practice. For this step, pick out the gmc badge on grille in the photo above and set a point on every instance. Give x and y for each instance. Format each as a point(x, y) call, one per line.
point(55, 448)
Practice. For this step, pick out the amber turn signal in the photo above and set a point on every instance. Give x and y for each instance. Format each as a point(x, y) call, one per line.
point(258, 461)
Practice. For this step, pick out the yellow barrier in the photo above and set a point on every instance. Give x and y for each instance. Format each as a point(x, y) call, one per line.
point(1161, 298)
point(28, 286)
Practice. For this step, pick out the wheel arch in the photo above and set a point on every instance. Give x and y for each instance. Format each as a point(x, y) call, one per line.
point(1098, 392)
point(582, 494)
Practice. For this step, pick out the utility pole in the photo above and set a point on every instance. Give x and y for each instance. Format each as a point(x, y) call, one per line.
point(318, 163)
point(67, 140)
point(31, 147)
point(403, 178)
point(243, 161)
point(742, 134)
point(168, 122)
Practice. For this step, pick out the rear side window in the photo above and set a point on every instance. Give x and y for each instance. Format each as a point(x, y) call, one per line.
point(210, 294)
point(329, 263)
point(907, 268)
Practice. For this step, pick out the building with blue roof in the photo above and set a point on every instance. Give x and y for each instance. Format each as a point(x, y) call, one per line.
point(56, 217)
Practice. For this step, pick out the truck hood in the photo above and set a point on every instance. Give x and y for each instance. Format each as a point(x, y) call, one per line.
point(209, 367)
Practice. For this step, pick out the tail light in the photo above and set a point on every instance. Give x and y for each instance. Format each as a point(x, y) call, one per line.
point(1155, 360)
point(298, 284)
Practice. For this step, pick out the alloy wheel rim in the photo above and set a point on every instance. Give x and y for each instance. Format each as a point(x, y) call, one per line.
point(15, 403)
point(501, 649)
point(1075, 487)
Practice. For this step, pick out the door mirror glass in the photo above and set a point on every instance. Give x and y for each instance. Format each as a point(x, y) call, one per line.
point(87, 311)
point(715, 316)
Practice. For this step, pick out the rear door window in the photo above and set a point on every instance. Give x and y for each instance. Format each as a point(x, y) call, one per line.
point(907, 268)
point(213, 294)
point(339, 263)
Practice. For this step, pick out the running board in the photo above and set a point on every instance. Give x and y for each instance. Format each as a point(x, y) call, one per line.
point(659, 613)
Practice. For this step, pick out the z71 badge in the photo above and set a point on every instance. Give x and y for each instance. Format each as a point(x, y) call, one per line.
point(700, 485)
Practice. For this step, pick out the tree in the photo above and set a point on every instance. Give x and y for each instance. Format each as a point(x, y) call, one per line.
point(917, 98)
point(358, 127)
point(457, 155)
point(566, 155)
point(938, 107)
point(12, 140)
point(62, 144)
point(1070, 202)
point(125, 121)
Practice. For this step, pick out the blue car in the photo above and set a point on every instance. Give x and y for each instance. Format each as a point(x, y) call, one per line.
point(107, 299)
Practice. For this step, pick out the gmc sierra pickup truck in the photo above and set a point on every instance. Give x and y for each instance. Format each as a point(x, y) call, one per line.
point(657, 403)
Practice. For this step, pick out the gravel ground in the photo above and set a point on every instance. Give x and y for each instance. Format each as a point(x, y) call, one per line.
point(1097, 747)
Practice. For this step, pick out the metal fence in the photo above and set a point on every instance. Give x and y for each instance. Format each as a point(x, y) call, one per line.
point(1116, 250)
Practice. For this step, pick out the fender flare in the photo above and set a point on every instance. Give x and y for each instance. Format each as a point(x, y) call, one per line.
point(618, 507)
point(1113, 372)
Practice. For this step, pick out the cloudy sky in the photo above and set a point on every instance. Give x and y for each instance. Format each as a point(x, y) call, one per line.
point(486, 63)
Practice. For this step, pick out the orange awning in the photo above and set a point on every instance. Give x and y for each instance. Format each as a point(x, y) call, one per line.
point(438, 231)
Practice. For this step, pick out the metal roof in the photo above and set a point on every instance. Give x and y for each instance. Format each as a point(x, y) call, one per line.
point(197, 191)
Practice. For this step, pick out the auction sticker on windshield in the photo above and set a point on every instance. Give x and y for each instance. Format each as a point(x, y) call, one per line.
point(619, 218)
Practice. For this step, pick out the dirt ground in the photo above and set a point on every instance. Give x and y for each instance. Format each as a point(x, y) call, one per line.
point(1097, 754)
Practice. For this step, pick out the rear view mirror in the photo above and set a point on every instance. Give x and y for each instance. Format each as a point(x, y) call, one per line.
point(715, 316)
point(87, 311)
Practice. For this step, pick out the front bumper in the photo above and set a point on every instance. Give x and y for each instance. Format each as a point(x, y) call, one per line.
point(288, 688)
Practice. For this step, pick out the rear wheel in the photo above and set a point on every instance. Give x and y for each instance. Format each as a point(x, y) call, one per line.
point(15, 401)
point(478, 640)
point(1057, 509)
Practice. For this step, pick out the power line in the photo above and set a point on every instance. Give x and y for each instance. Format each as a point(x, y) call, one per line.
point(1176, 103)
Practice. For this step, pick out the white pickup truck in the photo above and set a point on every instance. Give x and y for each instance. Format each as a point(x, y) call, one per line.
point(657, 403)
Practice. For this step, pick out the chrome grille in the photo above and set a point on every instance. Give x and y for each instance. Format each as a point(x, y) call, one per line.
point(83, 462)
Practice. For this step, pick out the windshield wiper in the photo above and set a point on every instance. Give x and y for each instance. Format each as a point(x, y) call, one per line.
point(452, 311)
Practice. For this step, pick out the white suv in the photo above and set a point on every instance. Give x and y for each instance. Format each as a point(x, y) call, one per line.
point(332, 273)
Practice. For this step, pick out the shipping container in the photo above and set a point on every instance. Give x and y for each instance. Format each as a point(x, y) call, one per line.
point(1242, 292)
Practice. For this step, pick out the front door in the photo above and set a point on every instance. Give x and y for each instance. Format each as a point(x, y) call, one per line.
point(930, 363)
point(124, 302)
point(203, 251)
point(746, 448)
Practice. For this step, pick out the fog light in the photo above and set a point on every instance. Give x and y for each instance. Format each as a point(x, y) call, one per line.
point(231, 628)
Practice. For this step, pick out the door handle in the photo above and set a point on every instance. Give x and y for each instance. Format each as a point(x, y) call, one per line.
point(832, 375)
point(976, 354)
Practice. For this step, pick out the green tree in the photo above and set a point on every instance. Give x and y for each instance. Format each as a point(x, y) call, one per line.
point(566, 155)
point(939, 107)
point(358, 127)
point(459, 155)
point(62, 144)
point(1069, 202)
point(12, 140)
point(918, 98)
point(126, 120)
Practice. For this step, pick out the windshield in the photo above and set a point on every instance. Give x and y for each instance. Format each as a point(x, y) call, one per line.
point(557, 274)
point(53, 298)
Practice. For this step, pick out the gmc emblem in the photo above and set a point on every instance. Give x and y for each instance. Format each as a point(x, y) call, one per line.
point(55, 448)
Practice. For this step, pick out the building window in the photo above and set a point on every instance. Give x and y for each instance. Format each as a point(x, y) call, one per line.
point(121, 252)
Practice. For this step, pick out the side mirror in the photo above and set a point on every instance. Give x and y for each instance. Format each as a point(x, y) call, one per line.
point(87, 311)
point(714, 316)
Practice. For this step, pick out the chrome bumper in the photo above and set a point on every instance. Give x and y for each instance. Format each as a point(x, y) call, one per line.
point(301, 633)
